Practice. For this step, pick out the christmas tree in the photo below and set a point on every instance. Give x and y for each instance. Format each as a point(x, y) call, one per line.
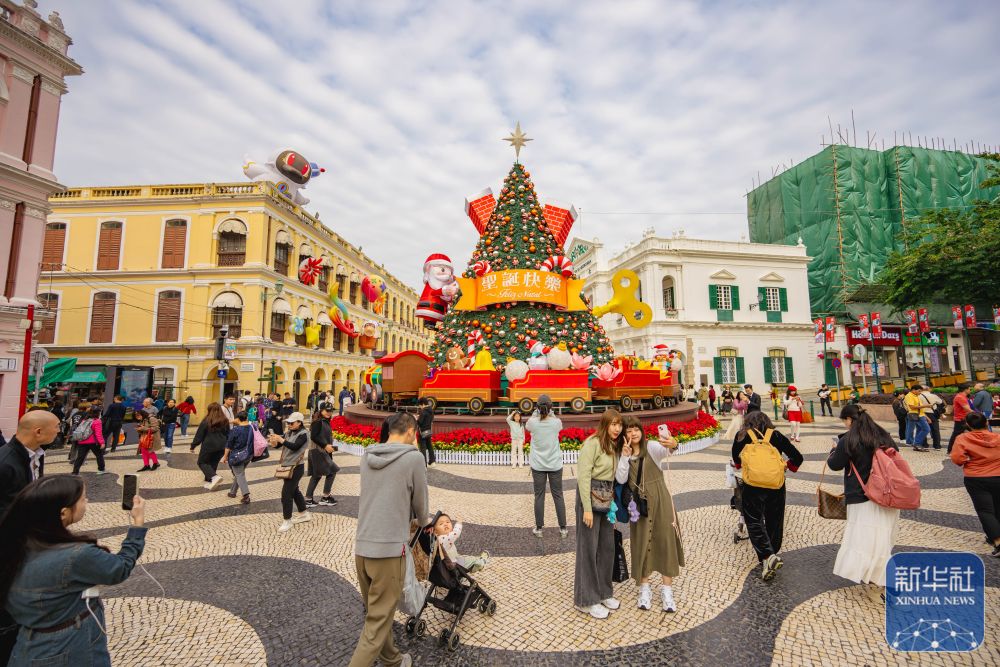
point(518, 236)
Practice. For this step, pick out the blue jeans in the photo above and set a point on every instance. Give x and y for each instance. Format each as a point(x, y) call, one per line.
point(917, 430)
point(168, 437)
point(185, 420)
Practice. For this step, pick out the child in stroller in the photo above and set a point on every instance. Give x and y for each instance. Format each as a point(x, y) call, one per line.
point(457, 592)
point(447, 534)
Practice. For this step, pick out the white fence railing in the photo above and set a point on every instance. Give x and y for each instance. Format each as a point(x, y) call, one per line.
point(503, 458)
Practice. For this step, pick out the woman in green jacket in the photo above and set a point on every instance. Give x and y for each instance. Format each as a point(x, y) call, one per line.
point(595, 541)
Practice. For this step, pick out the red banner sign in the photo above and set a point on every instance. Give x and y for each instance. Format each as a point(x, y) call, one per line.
point(924, 320)
point(831, 329)
point(911, 320)
point(887, 337)
point(863, 331)
point(970, 316)
point(818, 330)
point(877, 324)
point(956, 317)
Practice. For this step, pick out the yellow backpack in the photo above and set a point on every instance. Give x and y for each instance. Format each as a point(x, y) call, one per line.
point(762, 463)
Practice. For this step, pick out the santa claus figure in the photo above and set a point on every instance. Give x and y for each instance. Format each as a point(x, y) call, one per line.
point(440, 288)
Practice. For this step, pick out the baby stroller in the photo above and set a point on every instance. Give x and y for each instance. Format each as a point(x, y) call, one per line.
point(734, 481)
point(458, 592)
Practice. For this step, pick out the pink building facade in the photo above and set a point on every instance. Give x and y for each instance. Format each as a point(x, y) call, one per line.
point(33, 68)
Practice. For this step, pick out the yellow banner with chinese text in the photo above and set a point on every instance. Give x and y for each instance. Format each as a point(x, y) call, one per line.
point(520, 285)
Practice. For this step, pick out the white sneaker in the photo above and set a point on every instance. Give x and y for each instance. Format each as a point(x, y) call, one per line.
point(645, 597)
point(285, 526)
point(214, 484)
point(207, 486)
point(667, 596)
point(611, 603)
point(302, 518)
point(563, 532)
point(597, 611)
point(537, 532)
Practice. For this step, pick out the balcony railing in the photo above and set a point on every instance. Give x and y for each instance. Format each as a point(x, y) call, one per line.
point(232, 258)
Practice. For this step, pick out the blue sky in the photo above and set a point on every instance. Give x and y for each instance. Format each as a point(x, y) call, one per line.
point(643, 113)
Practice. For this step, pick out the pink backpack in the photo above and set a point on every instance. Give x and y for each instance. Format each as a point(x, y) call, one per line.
point(259, 442)
point(891, 483)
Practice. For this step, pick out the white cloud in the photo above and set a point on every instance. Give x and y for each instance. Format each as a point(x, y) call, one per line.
point(635, 107)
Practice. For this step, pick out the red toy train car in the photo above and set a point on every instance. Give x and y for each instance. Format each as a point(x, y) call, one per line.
point(475, 388)
point(635, 384)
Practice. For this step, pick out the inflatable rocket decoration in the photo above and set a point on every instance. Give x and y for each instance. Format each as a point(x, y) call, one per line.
point(289, 170)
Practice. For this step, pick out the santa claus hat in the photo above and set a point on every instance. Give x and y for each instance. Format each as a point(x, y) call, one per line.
point(437, 259)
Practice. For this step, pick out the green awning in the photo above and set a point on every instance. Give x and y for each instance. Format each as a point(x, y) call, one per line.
point(83, 377)
point(56, 370)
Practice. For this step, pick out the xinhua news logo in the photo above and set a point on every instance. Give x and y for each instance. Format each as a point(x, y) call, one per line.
point(935, 602)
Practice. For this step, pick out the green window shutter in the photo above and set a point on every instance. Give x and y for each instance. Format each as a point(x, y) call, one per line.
point(768, 375)
point(774, 316)
point(762, 298)
point(783, 299)
point(741, 376)
point(717, 363)
point(736, 297)
point(789, 375)
point(724, 315)
point(713, 297)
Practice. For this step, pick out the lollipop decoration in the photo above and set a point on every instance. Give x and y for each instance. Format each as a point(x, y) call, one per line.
point(558, 263)
point(374, 289)
point(481, 268)
point(309, 269)
point(338, 315)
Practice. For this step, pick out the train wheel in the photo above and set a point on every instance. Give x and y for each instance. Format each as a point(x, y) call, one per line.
point(526, 405)
point(476, 405)
point(657, 401)
point(626, 402)
point(578, 404)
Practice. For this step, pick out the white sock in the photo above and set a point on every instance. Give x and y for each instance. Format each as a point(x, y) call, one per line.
point(665, 589)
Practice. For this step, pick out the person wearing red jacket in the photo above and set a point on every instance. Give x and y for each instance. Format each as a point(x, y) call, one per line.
point(978, 452)
point(186, 409)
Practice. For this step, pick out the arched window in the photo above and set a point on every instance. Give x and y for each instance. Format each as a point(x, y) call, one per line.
point(55, 244)
point(282, 252)
point(729, 368)
point(168, 316)
point(232, 243)
point(227, 311)
point(281, 310)
point(174, 241)
point(47, 334)
point(778, 367)
point(109, 246)
point(669, 304)
point(102, 317)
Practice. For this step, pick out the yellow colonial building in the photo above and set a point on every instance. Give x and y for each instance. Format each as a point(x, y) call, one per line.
point(148, 275)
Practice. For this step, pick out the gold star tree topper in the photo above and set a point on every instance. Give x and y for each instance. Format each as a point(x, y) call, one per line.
point(517, 139)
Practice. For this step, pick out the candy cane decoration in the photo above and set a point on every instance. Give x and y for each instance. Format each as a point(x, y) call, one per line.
point(481, 268)
point(473, 339)
point(559, 262)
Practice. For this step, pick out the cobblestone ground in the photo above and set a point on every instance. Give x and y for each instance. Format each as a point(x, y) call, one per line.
point(239, 593)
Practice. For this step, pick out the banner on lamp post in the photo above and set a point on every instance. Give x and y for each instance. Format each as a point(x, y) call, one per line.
point(818, 330)
point(911, 321)
point(970, 316)
point(923, 320)
point(956, 317)
point(876, 324)
point(996, 316)
point(831, 329)
point(863, 324)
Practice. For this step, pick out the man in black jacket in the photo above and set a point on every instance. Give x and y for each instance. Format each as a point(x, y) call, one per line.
point(753, 398)
point(111, 420)
point(21, 458)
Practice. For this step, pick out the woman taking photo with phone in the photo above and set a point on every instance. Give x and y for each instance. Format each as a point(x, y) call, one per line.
point(655, 536)
point(290, 470)
point(595, 540)
point(47, 568)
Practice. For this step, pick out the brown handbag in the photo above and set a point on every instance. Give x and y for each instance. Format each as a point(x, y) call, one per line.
point(830, 505)
point(602, 492)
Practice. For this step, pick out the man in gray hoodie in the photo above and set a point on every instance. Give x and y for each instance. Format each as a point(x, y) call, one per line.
point(393, 491)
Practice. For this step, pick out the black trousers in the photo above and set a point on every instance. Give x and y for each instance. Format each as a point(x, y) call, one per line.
point(902, 427)
point(209, 463)
point(427, 449)
point(764, 513)
point(959, 429)
point(290, 493)
point(554, 478)
point(935, 429)
point(985, 495)
point(81, 456)
point(112, 433)
point(824, 405)
point(327, 485)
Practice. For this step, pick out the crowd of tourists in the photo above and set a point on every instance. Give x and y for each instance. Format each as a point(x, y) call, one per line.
point(623, 489)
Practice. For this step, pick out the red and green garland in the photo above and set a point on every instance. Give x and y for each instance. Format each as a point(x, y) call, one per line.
point(478, 440)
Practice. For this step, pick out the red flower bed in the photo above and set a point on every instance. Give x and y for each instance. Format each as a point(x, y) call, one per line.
point(478, 440)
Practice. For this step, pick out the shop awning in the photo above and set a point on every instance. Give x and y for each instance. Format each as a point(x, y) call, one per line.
point(57, 370)
point(233, 226)
point(281, 307)
point(84, 377)
point(324, 319)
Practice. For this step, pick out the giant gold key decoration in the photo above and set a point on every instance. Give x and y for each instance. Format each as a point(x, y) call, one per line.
point(625, 302)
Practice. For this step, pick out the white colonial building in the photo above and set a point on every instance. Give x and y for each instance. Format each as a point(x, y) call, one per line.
point(738, 312)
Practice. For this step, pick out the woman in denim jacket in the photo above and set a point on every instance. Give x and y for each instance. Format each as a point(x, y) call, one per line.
point(46, 568)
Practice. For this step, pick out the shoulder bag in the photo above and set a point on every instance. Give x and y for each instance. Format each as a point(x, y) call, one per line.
point(830, 505)
point(285, 472)
point(602, 492)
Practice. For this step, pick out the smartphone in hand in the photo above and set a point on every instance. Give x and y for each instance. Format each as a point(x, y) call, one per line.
point(130, 487)
point(663, 430)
